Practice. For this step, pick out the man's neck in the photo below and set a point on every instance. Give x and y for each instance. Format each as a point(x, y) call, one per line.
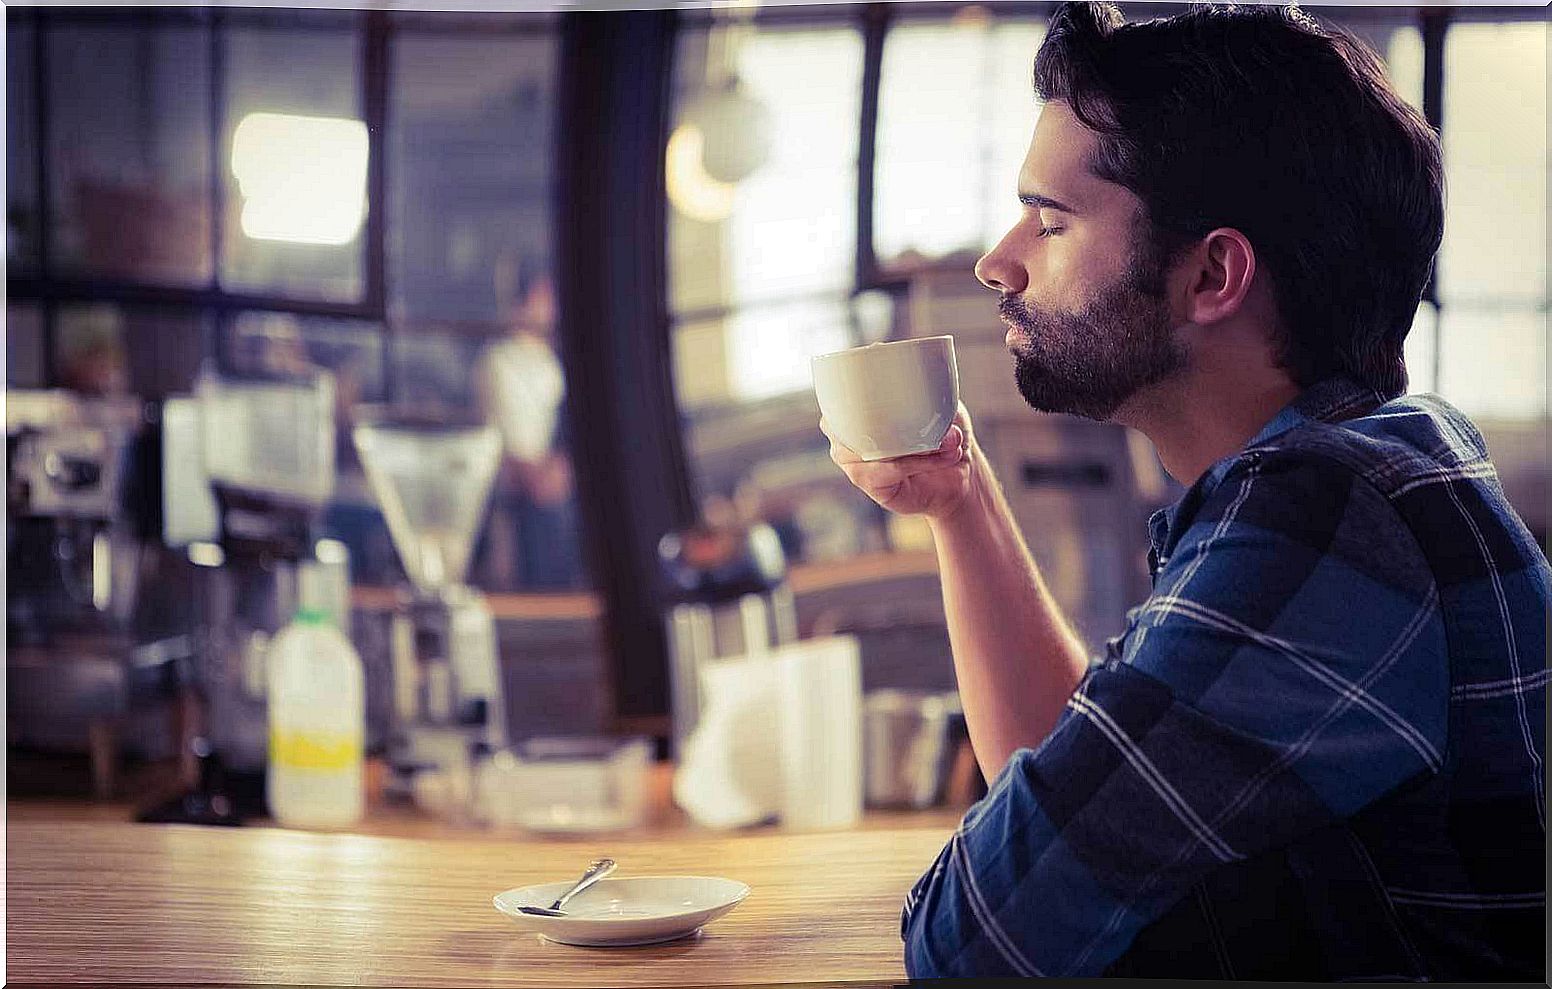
point(1199, 419)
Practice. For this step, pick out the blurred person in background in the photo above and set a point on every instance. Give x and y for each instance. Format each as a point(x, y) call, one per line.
point(521, 387)
point(1317, 751)
point(92, 361)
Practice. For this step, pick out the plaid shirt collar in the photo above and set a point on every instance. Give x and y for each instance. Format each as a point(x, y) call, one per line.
point(1331, 400)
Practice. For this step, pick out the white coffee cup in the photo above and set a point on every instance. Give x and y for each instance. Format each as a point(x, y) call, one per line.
point(889, 399)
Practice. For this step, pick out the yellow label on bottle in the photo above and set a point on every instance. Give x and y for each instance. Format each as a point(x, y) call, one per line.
point(314, 750)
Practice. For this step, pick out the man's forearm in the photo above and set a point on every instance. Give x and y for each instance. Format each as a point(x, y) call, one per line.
point(1016, 658)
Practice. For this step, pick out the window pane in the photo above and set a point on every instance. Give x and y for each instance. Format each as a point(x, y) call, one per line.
point(1495, 156)
point(757, 352)
point(1394, 36)
point(89, 343)
point(294, 162)
point(350, 349)
point(473, 126)
point(1422, 345)
point(1403, 53)
point(129, 161)
point(762, 176)
point(166, 347)
point(21, 160)
point(431, 372)
point(956, 110)
point(23, 346)
point(1494, 361)
point(762, 187)
point(107, 349)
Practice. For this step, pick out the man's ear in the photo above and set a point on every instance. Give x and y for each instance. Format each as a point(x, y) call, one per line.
point(1215, 276)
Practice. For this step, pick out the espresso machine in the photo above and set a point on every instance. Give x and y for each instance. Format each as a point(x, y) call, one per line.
point(432, 479)
point(70, 544)
point(78, 677)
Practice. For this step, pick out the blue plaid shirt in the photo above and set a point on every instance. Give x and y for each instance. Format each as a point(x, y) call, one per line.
point(1315, 753)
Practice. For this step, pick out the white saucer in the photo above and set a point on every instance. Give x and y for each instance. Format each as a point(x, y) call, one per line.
point(620, 912)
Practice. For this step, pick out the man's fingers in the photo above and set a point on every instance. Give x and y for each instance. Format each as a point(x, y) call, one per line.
point(839, 452)
point(946, 452)
point(962, 419)
point(881, 474)
point(949, 452)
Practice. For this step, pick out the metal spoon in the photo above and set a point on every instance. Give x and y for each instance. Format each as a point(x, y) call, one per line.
point(596, 871)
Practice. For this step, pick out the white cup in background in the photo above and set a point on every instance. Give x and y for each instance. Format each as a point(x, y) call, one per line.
point(780, 734)
point(889, 399)
point(819, 699)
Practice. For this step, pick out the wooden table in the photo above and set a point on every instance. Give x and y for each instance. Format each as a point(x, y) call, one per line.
point(113, 902)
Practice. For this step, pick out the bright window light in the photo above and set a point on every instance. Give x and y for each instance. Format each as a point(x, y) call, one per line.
point(303, 179)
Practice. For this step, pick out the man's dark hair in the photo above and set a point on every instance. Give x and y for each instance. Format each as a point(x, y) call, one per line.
point(1260, 119)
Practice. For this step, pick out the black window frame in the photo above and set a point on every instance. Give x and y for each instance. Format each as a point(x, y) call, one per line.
point(374, 31)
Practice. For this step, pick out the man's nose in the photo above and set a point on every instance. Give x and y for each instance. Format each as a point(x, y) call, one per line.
point(996, 270)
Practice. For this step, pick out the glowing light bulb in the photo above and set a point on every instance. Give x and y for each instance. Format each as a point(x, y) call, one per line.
point(693, 191)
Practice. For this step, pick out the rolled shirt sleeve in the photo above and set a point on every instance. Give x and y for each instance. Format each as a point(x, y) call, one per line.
point(1289, 670)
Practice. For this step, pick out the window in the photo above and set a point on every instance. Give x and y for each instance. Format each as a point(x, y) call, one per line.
point(22, 217)
point(471, 142)
point(1492, 268)
point(23, 346)
point(956, 108)
point(782, 106)
point(173, 133)
point(105, 348)
point(472, 300)
point(128, 157)
point(1394, 35)
point(761, 169)
point(294, 161)
point(759, 263)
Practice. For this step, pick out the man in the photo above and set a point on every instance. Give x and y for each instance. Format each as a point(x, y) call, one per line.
point(1316, 751)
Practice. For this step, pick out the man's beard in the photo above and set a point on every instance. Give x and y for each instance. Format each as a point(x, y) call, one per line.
point(1090, 362)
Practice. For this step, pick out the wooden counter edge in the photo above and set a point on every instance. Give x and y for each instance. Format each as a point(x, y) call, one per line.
point(804, 578)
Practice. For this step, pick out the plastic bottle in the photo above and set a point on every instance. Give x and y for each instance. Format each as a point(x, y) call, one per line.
point(317, 716)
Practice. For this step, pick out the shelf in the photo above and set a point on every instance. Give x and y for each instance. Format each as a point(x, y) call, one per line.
point(807, 578)
point(573, 606)
point(804, 578)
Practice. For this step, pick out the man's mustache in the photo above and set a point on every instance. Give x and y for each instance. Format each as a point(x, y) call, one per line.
point(1016, 311)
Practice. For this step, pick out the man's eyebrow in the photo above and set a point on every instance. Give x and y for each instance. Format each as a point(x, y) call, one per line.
point(1036, 201)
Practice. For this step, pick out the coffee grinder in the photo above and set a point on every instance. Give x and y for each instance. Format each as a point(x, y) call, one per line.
point(257, 448)
point(432, 480)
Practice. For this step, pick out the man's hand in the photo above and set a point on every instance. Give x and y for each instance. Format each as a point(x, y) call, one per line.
point(1016, 659)
point(933, 484)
